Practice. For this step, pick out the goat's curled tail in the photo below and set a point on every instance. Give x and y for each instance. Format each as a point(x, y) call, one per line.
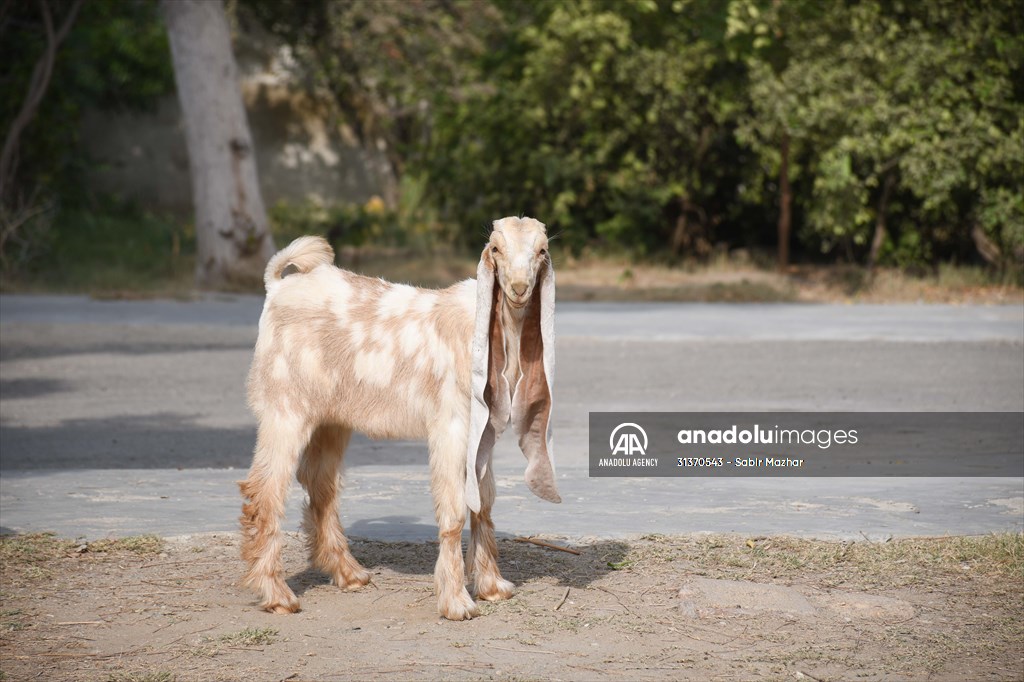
point(305, 253)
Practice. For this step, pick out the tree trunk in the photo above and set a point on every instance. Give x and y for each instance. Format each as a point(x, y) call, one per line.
point(690, 236)
point(785, 202)
point(233, 238)
point(987, 248)
point(880, 221)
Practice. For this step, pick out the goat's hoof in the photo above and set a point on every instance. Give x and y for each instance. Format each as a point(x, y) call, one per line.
point(283, 606)
point(278, 597)
point(352, 580)
point(494, 589)
point(458, 607)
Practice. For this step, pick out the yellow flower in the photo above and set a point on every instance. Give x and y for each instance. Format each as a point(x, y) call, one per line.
point(375, 206)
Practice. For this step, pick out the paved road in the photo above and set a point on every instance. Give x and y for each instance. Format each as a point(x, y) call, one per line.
point(129, 417)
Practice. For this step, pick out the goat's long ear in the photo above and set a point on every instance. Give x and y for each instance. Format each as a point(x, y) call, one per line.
point(532, 403)
point(490, 404)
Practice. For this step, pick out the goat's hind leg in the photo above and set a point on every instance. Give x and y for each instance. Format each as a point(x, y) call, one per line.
point(319, 473)
point(482, 557)
point(278, 444)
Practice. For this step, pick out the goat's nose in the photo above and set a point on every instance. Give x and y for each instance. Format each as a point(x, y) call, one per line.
point(520, 288)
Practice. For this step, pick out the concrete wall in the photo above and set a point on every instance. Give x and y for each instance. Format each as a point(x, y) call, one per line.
point(302, 152)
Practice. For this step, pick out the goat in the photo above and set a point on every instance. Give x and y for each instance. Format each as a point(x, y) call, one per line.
point(338, 352)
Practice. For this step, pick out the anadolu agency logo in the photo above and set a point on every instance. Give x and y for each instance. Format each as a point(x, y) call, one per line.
point(626, 440)
point(628, 445)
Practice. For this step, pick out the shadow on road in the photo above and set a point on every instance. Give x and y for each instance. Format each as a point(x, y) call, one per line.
point(40, 349)
point(13, 389)
point(160, 441)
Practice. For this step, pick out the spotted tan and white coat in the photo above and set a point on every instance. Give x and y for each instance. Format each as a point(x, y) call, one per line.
point(338, 352)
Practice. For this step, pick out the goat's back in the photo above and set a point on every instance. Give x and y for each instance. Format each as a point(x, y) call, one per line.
point(385, 359)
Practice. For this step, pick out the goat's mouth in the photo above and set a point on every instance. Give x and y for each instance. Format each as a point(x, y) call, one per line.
point(517, 304)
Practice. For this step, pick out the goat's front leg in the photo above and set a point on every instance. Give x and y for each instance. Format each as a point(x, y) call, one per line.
point(447, 483)
point(482, 557)
point(280, 440)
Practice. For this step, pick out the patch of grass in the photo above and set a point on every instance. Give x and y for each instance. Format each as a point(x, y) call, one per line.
point(209, 647)
point(250, 637)
point(113, 248)
point(968, 277)
point(9, 622)
point(948, 283)
point(897, 563)
point(998, 552)
point(137, 544)
point(31, 556)
point(31, 548)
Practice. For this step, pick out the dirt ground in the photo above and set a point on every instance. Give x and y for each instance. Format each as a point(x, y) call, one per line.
point(696, 607)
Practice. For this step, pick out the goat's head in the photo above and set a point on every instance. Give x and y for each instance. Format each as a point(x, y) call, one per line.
point(515, 258)
point(516, 252)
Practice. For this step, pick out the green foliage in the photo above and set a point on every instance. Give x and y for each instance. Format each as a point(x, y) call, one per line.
point(655, 125)
point(611, 120)
point(1001, 214)
point(112, 246)
point(115, 57)
point(348, 224)
point(650, 126)
point(919, 97)
point(413, 224)
point(837, 211)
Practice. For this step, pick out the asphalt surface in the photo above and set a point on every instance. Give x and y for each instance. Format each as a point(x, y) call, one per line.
point(127, 417)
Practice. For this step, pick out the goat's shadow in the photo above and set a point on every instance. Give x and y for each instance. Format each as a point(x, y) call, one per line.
point(518, 561)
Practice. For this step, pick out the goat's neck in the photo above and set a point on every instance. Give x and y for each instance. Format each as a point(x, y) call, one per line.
point(512, 322)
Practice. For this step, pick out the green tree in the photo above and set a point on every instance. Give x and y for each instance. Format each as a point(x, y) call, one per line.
point(612, 121)
point(113, 55)
point(877, 130)
point(906, 117)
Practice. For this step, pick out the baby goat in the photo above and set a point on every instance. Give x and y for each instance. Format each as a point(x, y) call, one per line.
point(339, 353)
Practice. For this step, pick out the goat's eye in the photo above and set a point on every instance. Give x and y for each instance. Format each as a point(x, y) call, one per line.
point(543, 252)
point(494, 249)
